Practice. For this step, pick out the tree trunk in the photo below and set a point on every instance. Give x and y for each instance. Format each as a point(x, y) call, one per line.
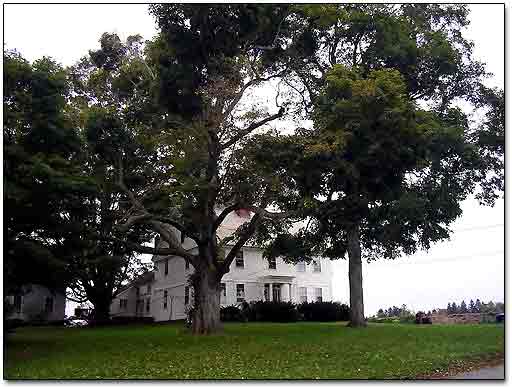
point(355, 276)
point(101, 313)
point(206, 315)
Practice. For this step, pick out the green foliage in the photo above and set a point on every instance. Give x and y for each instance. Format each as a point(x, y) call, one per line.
point(323, 311)
point(303, 350)
point(262, 311)
point(40, 179)
point(60, 187)
point(232, 314)
point(382, 164)
point(200, 43)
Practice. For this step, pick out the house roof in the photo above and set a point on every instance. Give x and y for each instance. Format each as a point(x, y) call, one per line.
point(146, 277)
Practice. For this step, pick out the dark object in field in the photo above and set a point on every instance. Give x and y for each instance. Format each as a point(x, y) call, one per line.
point(500, 318)
point(422, 318)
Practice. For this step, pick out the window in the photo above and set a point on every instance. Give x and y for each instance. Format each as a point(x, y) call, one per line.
point(17, 303)
point(48, 304)
point(165, 299)
point(166, 268)
point(303, 294)
point(186, 295)
point(149, 289)
point(316, 266)
point(266, 292)
point(187, 264)
point(301, 266)
point(223, 290)
point(239, 259)
point(318, 294)
point(148, 305)
point(137, 291)
point(272, 263)
point(123, 304)
point(240, 293)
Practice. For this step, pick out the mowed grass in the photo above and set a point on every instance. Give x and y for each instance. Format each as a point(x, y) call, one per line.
point(246, 351)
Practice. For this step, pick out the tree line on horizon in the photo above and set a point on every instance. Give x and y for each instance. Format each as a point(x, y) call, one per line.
point(475, 307)
point(452, 308)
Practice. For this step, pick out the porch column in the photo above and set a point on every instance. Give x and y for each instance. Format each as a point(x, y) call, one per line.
point(270, 292)
point(285, 292)
point(290, 291)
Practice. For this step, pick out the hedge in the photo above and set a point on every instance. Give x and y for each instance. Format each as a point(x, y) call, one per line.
point(324, 311)
point(261, 311)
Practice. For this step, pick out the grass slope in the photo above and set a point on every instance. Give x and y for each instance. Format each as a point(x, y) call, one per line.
point(246, 351)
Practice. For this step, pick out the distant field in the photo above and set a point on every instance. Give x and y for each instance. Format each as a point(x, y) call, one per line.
point(246, 351)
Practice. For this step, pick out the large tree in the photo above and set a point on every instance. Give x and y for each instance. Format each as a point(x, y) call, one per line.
point(60, 192)
point(390, 156)
point(40, 179)
point(108, 98)
point(194, 82)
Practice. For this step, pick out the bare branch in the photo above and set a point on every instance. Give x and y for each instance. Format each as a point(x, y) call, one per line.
point(273, 45)
point(75, 299)
point(224, 214)
point(244, 237)
point(167, 251)
point(137, 219)
point(250, 128)
point(252, 82)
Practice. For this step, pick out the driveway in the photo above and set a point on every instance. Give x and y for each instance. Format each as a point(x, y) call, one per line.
point(489, 373)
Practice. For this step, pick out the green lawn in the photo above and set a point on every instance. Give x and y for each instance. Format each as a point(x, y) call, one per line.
point(248, 351)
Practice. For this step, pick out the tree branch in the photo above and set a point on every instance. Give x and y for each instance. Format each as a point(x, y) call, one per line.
point(250, 128)
point(244, 237)
point(269, 215)
point(76, 300)
point(223, 214)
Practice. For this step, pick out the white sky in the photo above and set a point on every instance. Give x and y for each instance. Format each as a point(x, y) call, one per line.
point(470, 265)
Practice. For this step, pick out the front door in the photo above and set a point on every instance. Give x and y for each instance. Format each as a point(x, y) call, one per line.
point(276, 292)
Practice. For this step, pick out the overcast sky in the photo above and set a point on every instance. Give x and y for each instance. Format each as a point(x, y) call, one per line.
point(470, 265)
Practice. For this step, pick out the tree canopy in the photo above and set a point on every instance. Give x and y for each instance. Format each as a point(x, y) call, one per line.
point(162, 137)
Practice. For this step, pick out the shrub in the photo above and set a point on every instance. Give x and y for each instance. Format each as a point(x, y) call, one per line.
point(261, 311)
point(324, 311)
point(231, 314)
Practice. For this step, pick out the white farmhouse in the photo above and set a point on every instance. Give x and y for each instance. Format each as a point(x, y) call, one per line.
point(37, 303)
point(164, 293)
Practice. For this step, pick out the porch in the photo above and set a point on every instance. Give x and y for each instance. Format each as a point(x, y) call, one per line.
point(277, 288)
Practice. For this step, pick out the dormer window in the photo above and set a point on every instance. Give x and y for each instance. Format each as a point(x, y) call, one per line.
point(316, 266)
point(272, 263)
point(239, 259)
